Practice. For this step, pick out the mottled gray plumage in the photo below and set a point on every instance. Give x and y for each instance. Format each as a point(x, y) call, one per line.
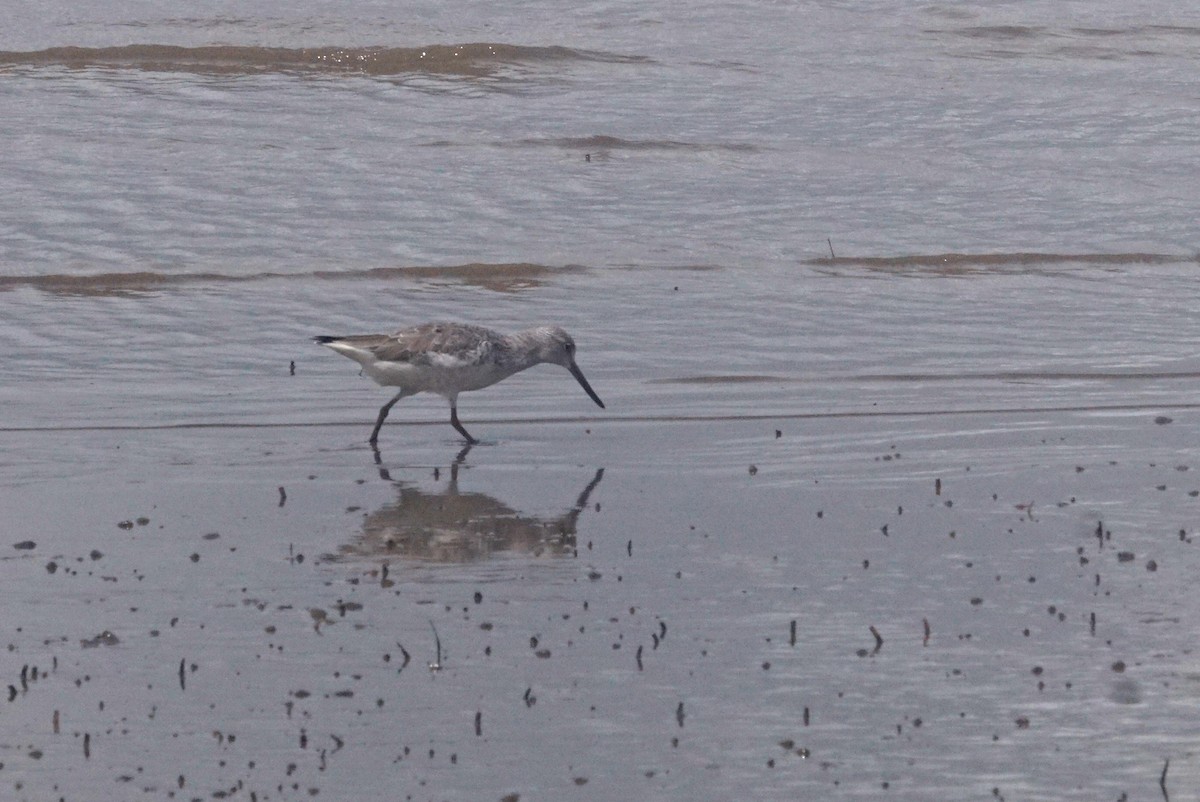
point(417, 344)
point(450, 358)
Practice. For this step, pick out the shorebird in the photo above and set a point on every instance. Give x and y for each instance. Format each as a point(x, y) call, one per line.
point(452, 358)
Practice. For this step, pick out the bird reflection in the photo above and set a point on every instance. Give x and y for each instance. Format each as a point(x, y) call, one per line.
point(453, 526)
point(459, 459)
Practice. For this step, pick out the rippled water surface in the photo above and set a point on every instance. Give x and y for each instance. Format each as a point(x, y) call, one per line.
point(893, 495)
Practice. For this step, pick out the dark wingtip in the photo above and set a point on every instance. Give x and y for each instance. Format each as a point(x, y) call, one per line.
point(325, 339)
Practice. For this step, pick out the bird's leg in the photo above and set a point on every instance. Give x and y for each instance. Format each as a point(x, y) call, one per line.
point(383, 472)
point(454, 422)
point(383, 413)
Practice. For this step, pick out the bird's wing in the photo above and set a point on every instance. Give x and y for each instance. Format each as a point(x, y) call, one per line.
point(442, 343)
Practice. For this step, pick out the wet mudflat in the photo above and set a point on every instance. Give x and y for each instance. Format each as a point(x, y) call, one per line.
point(955, 606)
point(895, 491)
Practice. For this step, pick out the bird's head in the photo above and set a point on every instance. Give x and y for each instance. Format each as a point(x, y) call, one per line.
point(556, 346)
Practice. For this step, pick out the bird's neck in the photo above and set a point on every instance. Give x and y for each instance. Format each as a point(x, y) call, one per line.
point(522, 349)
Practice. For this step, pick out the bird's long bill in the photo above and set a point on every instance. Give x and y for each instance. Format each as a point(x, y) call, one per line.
point(587, 388)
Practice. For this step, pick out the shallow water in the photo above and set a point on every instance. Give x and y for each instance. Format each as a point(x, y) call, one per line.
point(891, 314)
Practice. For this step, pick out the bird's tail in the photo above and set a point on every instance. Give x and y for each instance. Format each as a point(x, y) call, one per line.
point(356, 347)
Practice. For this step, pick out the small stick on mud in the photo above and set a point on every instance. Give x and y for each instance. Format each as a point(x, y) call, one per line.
point(282, 497)
point(478, 722)
point(407, 657)
point(679, 715)
point(55, 721)
point(87, 745)
point(436, 665)
point(1162, 780)
point(831, 253)
point(792, 635)
point(925, 621)
point(182, 675)
point(639, 658)
point(292, 368)
point(878, 638)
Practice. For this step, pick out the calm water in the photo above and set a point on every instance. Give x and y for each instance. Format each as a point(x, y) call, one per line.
point(965, 232)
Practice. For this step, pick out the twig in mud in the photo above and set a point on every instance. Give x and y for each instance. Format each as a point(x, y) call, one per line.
point(792, 634)
point(407, 656)
point(436, 665)
point(925, 621)
point(878, 638)
point(282, 497)
point(182, 675)
point(831, 254)
point(1162, 780)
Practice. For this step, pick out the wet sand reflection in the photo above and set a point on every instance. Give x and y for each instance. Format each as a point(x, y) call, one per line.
point(456, 526)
